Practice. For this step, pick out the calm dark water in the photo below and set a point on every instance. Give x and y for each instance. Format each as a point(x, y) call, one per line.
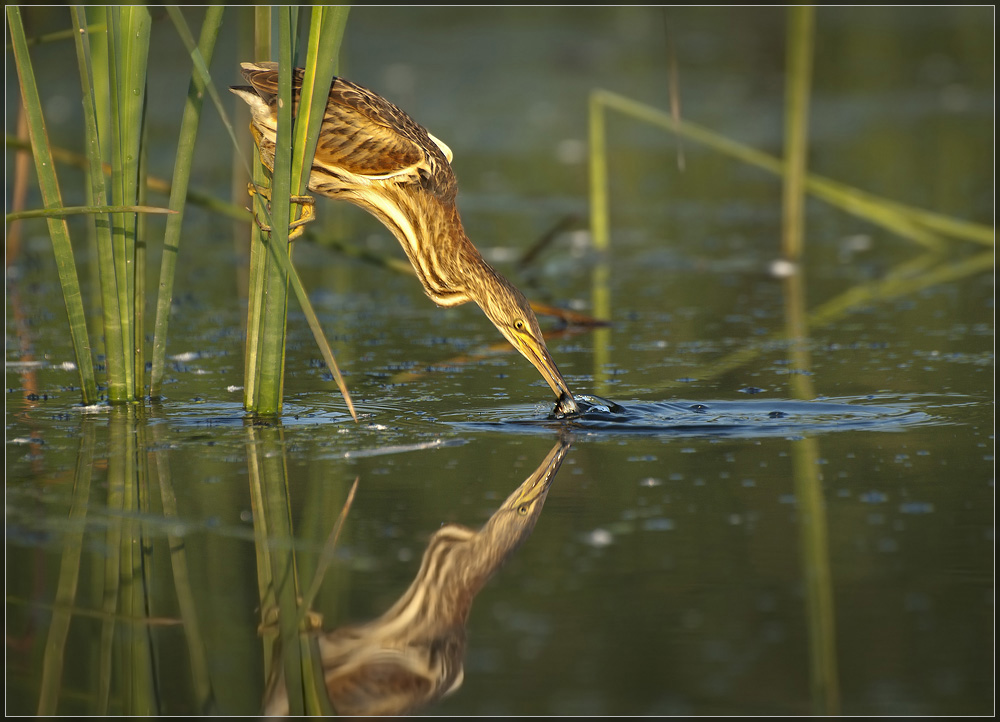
point(756, 521)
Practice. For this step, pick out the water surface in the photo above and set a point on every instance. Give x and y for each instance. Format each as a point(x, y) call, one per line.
point(757, 522)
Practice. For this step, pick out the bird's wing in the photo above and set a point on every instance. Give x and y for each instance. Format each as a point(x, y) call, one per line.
point(364, 134)
point(368, 136)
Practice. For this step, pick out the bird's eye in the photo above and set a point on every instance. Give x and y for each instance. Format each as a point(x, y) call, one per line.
point(523, 509)
point(519, 325)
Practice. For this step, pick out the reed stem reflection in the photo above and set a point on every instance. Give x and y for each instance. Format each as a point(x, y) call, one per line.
point(278, 577)
point(818, 580)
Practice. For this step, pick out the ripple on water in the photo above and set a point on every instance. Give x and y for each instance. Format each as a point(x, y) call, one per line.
point(742, 418)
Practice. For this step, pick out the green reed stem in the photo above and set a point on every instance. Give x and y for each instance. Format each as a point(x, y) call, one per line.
point(92, 52)
point(139, 292)
point(258, 251)
point(317, 330)
point(91, 40)
point(59, 36)
point(96, 40)
point(918, 225)
point(271, 267)
point(258, 239)
point(128, 50)
point(326, 31)
point(274, 304)
point(262, 31)
point(80, 210)
point(52, 199)
point(181, 178)
point(255, 301)
point(600, 229)
point(798, 74)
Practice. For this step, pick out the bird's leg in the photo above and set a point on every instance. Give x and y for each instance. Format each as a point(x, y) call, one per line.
point(295, 228)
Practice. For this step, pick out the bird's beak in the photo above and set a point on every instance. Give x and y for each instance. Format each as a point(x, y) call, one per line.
point(538, 355)
point(540, 479)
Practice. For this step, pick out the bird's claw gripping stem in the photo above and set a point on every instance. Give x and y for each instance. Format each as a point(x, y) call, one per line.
point(295, 228)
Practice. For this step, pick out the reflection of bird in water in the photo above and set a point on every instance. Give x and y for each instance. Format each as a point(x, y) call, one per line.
point(412, 655)
point(373, 155)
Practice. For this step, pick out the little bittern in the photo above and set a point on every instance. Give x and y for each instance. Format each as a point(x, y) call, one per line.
point(372, 154)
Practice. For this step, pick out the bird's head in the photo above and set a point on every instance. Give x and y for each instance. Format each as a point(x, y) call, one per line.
point(511, 313)
point(511, 524)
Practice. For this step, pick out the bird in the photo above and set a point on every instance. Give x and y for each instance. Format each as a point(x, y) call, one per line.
point(375, 156)
point(413, 654)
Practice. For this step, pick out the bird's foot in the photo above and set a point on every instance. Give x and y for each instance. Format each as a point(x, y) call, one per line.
point(311, 621)
point(295, 228)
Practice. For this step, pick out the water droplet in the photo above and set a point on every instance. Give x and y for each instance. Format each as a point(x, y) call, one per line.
point(598, 538)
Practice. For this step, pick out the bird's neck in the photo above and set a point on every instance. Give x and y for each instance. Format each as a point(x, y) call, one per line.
point(450, 268)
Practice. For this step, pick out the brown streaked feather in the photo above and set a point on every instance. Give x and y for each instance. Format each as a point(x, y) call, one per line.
point(364, 134)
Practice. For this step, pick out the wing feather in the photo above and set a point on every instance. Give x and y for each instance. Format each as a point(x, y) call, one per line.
point(364, 134)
